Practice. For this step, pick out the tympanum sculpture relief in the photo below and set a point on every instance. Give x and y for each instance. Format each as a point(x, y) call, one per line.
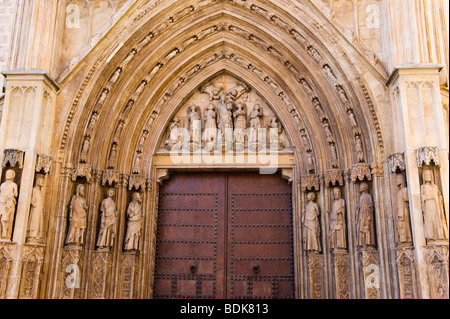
point(232, 119)
point(365, 218)
point(134, 214)
point(403, 215)
point(35, 221)
point(8, 195)
point(433, 209)
point(107, 232)
point(311, 222)
point(77, 217)
point(338, 229)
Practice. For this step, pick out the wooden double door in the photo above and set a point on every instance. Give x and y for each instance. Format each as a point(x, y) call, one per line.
point(225, 235)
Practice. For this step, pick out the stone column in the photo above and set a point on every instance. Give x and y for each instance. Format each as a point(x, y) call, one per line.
point(417, 109)
point(27, 124)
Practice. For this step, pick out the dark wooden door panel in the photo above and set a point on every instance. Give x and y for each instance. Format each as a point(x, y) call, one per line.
point(224, 235)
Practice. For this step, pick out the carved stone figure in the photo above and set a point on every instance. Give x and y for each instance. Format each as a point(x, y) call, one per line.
point(112, 156)
point(213, 91)
point(359, 149)
point(210, 132)
point(338, 234)
point(365, 218)
point(8, 195)
point(77, 217)
point(35, 221)
point(195, 125)
point(240, 124)
point(85, 149)
point(255, 125)
point(433, 209)
point(312, 224)
point(403, 215)
point(175, 134)
point(274, 135)
point(225, 120)
point(108, 219)
point(134, 214)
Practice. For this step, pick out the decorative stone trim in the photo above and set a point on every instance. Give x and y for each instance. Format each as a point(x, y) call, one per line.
point(397, 163)
point(426, 155)
point(13, 157)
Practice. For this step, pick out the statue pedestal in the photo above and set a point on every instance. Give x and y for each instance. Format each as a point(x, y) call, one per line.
point(370, 263)
point(129, 264)
point(100, 273)
point(342, 274)
point(316, 275)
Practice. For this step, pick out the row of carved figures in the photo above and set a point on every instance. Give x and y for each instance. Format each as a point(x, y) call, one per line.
point(435, 226)
point(227, 122)
point(78, 212)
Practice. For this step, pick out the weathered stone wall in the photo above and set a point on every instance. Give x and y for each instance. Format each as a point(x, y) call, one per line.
point(7, 9)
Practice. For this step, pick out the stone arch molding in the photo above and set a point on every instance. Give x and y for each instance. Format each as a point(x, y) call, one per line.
point(313, 75)
point(138, 80)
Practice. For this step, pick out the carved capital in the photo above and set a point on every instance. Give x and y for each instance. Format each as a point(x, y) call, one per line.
point(426, 155)
point(13, 157)
point(82, 170)
point(397, 163)
point(309, 183)
point(43, 163)
point(110, 176)
point(333, 177)
point(360, 172)
point(136, 181)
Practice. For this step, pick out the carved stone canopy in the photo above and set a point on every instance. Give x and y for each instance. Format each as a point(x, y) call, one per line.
point(43, 163)
point(397, 163)
point(360, 172)
point(427, 155)
point(309, 183)
point(13, 157)
point(82, 170)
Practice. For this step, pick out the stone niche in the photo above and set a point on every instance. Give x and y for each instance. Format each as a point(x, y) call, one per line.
point(225, 114)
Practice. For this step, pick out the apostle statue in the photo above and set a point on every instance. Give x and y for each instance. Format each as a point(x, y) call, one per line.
point(312, 224)
point(225, 121)
point(433, 209)
point(338, 233)
point(8, 195)
point(35, 221)
point(108, 219)
point(77, 217)
point(403, 216)
point(365, 218)
point(175, 135)
point(134, 214)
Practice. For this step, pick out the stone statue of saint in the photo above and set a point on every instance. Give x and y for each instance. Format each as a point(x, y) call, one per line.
point(338, 233)
point(225, 120)
point(255, 125)
point(108, 219)
point(210, 132)
point(8, 195)
point(195, 126)
point(240, 124)
point(35, 221)
point(403, 216)
point(365, 218)
point(433, 209)
point(175, 135)
point(134, 214)
point(274, 135)
point(77, 217)
point(312, 224)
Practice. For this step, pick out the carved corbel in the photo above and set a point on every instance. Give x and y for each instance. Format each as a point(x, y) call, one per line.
point(426, 155)
point(333, 177)
point(13, 157)
point(43, 163)
point(110, 176)
point(310, 183)
point(162, 175)
point(397, 163)
point(360, 172)
point(288, 174)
